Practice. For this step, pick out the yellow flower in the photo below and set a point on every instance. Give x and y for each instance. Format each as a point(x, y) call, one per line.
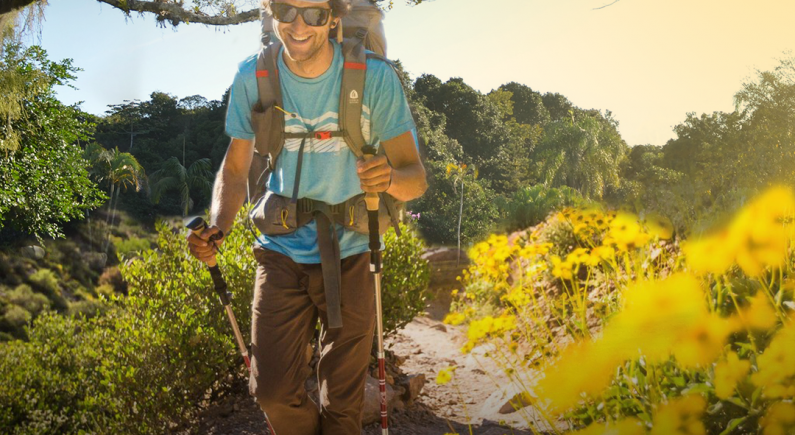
point(776, 365)
point(629, 426)
point(779, 419)
point(561, 269)
point(454, 319)
point(659, 226)
point(756, 238)
point(666, 318)
point(565, 381)
point(626, 232)
point(702, 342)
point(728, 373)
point(760, 315)
point(445, 375)
point(710, 255)
point(680, 417)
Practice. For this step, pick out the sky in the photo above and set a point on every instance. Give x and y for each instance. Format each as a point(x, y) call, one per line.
point(648, 62)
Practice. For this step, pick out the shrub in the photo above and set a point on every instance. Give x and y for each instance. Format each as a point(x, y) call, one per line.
point(405, 278)
point(24, 296)
point(441, 205)
point(130, 246)
point(149, 358)
point(16, 316)
point(530, 205)
point(113, 278)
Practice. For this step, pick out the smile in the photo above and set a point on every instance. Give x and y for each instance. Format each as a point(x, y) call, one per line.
point(297, 39)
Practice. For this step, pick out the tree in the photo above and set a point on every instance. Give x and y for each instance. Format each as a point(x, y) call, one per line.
point(174, 176)
point(584, 155)
point(174, 12)
point(44, 181)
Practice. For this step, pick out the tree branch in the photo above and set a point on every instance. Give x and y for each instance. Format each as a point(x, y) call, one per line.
point(164, 10)
point(7, 6)
point(175, 13)
point(602, 7)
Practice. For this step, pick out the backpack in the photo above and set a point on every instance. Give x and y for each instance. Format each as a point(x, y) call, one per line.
point(274, 214)
point(363, 29)
point(364, 15)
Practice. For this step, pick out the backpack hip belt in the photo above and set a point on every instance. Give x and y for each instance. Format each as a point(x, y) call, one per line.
point(277, 215)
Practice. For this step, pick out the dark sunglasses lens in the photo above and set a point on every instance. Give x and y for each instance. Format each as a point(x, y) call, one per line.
point(284, 12)
point(315, 16)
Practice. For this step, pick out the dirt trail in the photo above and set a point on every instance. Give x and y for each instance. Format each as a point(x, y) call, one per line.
point(428, 346)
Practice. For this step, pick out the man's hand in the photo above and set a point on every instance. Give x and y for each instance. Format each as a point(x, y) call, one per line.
point(202, 247)
point(375, 174)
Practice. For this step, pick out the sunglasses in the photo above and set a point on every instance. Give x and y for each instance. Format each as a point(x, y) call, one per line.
point(285, 13)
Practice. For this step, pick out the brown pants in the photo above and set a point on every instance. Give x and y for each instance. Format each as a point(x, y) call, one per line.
point(288, 299)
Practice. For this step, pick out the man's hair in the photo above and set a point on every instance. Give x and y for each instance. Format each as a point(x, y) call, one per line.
point(339, 8)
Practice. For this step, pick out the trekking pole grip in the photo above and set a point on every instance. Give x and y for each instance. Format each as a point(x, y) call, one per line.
point(372, 201)
point(197, 225)
point(371, 198)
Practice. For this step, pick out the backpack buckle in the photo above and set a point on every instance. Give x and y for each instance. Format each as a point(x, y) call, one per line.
point(361, 34)
point(322, 135)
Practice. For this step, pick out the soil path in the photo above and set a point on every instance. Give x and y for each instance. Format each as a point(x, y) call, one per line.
point(428, 346)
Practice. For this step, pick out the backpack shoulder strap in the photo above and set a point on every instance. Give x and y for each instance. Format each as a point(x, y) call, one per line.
point(352, 94)
point(270, 94)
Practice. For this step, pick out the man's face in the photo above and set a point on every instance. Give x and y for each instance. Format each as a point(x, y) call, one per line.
point(301, 41)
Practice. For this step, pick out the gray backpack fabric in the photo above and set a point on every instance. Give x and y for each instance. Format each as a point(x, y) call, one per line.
point(365, 15)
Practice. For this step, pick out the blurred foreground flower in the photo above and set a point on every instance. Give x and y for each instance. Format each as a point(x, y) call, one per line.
point(660, 319)
point(756, 238)
point(681, 416)
point(630, 426)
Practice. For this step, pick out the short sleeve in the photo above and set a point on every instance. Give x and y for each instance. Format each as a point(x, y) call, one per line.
point(242, 97)
point(390, 115)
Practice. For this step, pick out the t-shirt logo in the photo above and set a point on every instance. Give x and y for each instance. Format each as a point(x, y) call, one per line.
point(354, 97)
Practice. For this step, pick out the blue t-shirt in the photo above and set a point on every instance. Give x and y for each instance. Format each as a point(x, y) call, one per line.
point(328, 170)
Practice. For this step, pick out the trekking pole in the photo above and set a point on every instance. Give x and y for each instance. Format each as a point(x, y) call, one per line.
point(196, 225)
point(372, 201)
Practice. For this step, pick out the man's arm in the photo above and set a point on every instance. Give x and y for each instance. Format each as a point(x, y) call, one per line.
point(229, 194)
point(229, 190)
point(400, 173)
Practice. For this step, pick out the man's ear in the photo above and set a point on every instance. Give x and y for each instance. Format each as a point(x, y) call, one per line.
point(335, 23)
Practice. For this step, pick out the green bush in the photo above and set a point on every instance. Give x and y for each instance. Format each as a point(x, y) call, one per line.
point(16, 316)
point(24, 296)
point(46, 281)
point(405, 278)
point(131, 246)
point(141, 365)
point(147, 359)
point(530, 205)
point(440, 208)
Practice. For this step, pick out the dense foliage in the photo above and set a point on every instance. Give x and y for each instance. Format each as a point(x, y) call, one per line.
point(43, 175)
point(696, 336)
point(405, 279)
point(153, 355)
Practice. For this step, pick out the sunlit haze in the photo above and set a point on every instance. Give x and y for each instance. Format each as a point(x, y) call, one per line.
point(647, 62)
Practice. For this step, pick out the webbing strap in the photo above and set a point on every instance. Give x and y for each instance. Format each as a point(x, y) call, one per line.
point(330, 264)
point(298, 166)
point(352, 94)
point(318, 135)
point(270, 93)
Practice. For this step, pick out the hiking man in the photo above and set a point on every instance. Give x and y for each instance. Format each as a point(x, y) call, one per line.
point(292, 283)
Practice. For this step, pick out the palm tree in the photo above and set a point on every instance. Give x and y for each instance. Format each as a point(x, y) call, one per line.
point(174, 176)
point(120, 170)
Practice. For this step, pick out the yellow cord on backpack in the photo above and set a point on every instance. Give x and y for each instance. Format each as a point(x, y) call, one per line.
point(284, 219)
point(293, 115)
point(350, 213)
